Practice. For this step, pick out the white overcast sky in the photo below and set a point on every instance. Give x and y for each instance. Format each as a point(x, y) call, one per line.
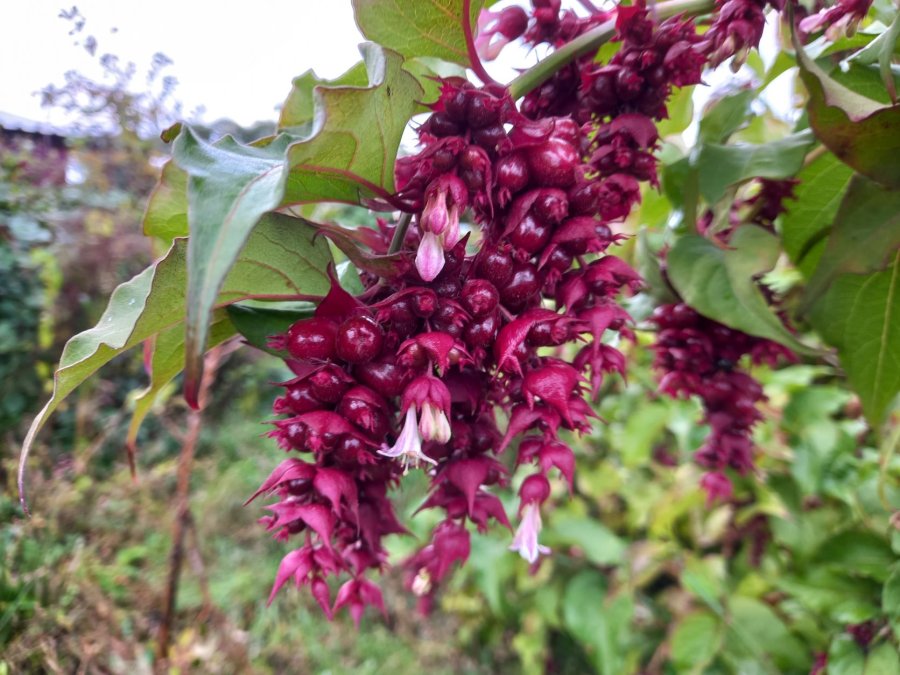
point(237, 59)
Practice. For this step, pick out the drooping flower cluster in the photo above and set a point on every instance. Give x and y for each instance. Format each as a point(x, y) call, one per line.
point(701, 357)
point(839, 20)
point(462, 332)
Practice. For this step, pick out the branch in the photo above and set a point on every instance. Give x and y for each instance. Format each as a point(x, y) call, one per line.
point(182, 504)
point(477, 65)
point(400, 233)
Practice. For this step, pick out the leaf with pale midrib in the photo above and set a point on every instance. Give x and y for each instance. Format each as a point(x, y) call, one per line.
point(282, 258)
point(348, 157)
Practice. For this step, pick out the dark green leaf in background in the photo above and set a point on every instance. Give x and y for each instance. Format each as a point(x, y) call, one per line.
point(282, 258)
point(864, 235)
point(720, 166)
point(865, 134)
point(725, 116)
point(256, 323)
point(810, 214)
point(860, 315)
point(719, 282)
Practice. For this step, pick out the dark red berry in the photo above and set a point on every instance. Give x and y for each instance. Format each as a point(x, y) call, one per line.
point(447, 285)
point(482, 111)
point(559, 260)
point(495, 266)
point(359, 339)
point(530, 234)
point(312, 339)
point(403, 319)
point(566, 129)
point(628, 84)
point(482, 331)
point(479, 297)
point(512, 22)
point(523, 285)
point(584, 197)
point(328, 384)
point(456, 104)
point(552, 164)
point(385, 377)
point(551, 206)
point(299, 398)
point(443, 160)
point(547, 333)
point(366, 409)
point(424, 302)
point(489, 137)
point(441, 125)
point(512, 172)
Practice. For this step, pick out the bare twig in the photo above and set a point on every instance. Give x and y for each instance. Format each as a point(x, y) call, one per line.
point(182, 494)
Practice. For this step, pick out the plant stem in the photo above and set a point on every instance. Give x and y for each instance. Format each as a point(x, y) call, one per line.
point(590, 41)
point(400, 232)
point(183, 516)
point(475, 60)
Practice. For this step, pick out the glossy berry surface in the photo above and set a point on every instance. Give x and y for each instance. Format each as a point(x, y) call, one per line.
point(358, 340)
point(312, 339)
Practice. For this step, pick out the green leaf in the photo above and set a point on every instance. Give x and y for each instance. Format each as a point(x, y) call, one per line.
point(863, 133)
point(230, 187)
point(817, 198)
point(866, 81)
point(725, 117)
point(428, 28)
point(864, 236)
point(764, 635)
point(299, 107)
point(845, 657)
point(167, 208)
point(601, 626)
point(883, 659)
point(281, 257)
point(720, 166)
point(349, 156)
point(882, 50)
point(599, 544)
point(696, 641)
point(865, 553)
point(681, 111)
point(166, 361)
point(702, 578)
point(890, 597)
point(719, 283)
point(256, 323)
point(860, 316)
point(357, 132)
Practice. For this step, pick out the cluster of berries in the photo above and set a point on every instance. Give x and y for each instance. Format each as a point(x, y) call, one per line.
point(701, 357)
point(464, 330)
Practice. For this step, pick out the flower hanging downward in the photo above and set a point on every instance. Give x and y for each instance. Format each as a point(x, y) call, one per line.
point(409, 444)
point(445, 198)
point(526, 540)
point(534, 492)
